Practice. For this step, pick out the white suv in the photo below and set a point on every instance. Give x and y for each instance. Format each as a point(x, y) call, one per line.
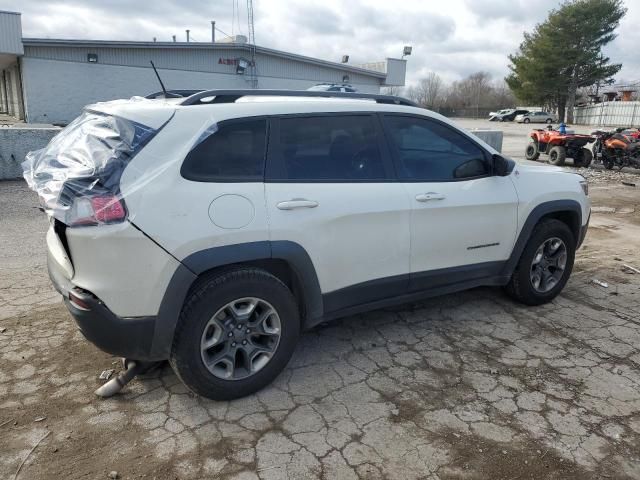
point(210, 230)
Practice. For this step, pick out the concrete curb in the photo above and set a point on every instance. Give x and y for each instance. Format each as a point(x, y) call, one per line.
point(16, 142)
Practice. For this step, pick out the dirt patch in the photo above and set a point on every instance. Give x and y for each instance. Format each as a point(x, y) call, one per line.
point(58, 398)
point(477, 458)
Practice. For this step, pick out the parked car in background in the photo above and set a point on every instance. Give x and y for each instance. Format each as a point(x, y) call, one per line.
point(509, 115)
point(499, 112)
point(536, 117)
point(333, 87)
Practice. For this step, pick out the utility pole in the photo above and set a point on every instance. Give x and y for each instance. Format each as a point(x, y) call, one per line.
point(213, 31)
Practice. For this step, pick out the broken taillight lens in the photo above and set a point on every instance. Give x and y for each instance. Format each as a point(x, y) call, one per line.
point(96, 210)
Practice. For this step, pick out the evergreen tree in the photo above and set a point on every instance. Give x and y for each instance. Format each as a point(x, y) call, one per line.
point(564, 53)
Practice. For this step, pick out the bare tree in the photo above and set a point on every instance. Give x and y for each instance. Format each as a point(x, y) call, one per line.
point(475, 95)
point(394, 91)
point(428, 91)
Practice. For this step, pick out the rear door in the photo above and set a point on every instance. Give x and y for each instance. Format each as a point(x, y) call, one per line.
point(464, 219)
point(330, 189)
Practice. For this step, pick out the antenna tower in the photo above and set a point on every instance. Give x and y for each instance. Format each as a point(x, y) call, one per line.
point(252, 74)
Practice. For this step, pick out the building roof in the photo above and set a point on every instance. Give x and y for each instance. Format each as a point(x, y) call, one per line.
point(197, 45)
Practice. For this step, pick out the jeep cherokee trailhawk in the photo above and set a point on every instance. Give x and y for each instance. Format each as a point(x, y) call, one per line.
point(210, 228)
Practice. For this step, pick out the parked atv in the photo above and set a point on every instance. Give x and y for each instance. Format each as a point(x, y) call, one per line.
point(559, 146)
point(615, 149)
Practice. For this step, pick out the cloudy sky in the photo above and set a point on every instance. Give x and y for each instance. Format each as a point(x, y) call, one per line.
point(452, 37)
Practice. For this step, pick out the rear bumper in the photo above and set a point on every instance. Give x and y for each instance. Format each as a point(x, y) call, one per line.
point(125, 337)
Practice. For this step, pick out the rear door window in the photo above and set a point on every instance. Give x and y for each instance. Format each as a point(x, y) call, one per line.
point(340, 148)
point(234, 153)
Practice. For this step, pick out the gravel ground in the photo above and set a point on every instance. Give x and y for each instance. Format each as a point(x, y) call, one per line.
point(467, 386)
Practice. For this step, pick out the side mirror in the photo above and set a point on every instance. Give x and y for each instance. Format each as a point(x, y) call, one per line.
point(501, 166)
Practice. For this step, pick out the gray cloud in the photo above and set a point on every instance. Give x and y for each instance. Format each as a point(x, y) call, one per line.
point(453, 38)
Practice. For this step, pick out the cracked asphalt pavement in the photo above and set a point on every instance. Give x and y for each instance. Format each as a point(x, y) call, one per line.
point(466, 386)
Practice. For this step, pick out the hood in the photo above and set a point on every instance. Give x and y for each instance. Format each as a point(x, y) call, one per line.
point(550, 169)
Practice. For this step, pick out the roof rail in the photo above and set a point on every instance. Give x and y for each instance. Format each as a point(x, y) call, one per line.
point(206, 97)
point(173, 94)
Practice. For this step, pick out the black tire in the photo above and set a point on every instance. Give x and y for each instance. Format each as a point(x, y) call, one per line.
point(557, 155)
point(608, 164)
point(520, 286)
point(526, 120)
point(583, 158)
point(532, 152)
point(549, 121)
point(205, 299)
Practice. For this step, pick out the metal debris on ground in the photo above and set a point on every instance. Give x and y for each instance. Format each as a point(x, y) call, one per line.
point(40, 419)
point(106, 374)
point(629, 268)
point(603, 209)
point(629, 184)
point(113, 475)
point(600, 282)
point(29, 454)
point(3, 329)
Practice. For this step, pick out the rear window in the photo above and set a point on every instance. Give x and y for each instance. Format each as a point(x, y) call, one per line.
point(234, 153)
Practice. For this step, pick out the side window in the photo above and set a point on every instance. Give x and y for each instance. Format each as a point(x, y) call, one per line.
point(431, 152)
point(234, 153)
point(329, 148)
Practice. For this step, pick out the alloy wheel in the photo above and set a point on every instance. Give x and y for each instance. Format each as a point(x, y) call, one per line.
point(241, 338)
point(548, 265)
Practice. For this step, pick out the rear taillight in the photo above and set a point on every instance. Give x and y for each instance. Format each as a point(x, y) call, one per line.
point(96, 210)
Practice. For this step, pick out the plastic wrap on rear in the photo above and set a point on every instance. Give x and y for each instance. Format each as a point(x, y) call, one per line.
point(77, 175)
point(89, 155)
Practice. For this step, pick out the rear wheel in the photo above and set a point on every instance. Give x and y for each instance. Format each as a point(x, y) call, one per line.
point(557, 155)
point(608, 163)
point(237, 331)
point(549, 121)
point(532, 152)
point(545, 264)
point(583, 158)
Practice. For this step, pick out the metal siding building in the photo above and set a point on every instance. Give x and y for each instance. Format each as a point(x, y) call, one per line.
point(59, 77)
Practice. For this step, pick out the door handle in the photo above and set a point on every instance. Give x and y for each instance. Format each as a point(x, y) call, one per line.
point(295, 203)
point(427, 197)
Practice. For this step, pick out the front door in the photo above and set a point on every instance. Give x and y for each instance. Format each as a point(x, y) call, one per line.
point(464, 219)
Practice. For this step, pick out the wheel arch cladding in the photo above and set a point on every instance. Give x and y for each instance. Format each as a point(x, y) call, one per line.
point(567, 211)
point(265, 254)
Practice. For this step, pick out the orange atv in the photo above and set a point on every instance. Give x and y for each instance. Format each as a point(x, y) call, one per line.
point(559, 146)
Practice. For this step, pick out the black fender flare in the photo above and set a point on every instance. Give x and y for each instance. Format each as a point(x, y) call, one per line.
point(192, 266)
point(541, 210)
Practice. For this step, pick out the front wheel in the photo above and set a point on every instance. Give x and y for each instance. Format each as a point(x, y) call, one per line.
point(236, 333)
point(526, 120)
point(545, 264)
point(549, 121)
point(532, 152)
